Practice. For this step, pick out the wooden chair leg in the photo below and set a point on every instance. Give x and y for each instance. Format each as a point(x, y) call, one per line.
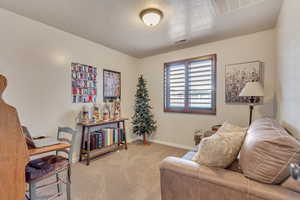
point(67, 180)
point(59, 184)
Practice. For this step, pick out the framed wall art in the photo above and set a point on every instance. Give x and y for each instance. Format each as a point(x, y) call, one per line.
point(111, 84)
point(84, 83)
point(236, 77)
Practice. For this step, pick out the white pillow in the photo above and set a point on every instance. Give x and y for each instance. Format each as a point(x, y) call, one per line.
point(222, 148)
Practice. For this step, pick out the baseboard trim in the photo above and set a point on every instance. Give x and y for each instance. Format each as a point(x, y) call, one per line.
point(172, 144)
point(130, 140)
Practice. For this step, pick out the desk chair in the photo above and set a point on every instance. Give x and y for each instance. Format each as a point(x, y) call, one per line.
point(48, 166)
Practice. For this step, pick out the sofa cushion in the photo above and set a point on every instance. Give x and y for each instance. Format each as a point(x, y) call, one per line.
point(221, 149)
point(267, 151)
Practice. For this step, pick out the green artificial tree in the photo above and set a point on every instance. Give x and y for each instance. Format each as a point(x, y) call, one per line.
point(143, 120)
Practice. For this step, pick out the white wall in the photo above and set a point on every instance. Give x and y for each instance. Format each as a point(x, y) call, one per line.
point(174, 128)
point(36, 59)
point(288, 53)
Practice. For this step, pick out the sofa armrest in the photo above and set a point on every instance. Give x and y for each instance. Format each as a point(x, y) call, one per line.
point(181, 166)
point(217, 176)
point(185, 179)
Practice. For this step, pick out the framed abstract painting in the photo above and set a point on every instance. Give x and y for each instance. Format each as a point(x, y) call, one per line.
point(236, 77)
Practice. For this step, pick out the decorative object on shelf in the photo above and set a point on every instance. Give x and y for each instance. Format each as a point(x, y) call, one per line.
point(111, 84)
point(151, 16)
point(96, 113)
point(105, 112)
point(85, 114)
point(143, 120)
point(236, 77)
point(110, 106)
point(254, 91)
point(117, 109)
point(84, 83)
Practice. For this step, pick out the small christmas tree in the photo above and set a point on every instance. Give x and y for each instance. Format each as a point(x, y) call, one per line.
point(143, 120)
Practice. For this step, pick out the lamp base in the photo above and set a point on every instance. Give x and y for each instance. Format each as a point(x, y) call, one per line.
point(251, 106)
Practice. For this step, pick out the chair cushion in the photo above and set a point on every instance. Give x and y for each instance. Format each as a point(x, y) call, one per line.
point(267, 151)
point(43, 167)
point(222, 148)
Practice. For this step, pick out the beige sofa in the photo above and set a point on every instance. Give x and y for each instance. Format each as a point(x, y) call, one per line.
point(183, 179)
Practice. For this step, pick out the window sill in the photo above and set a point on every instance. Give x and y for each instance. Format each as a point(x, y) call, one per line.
point(204, 112)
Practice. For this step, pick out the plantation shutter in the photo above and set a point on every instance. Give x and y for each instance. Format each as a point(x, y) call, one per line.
point(175, 86)
point(190, 85)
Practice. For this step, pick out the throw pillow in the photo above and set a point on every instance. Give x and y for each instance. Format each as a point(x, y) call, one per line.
point(221, 149)
point(267, 151)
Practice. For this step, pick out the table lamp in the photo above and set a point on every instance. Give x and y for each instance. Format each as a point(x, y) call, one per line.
point(252, 90)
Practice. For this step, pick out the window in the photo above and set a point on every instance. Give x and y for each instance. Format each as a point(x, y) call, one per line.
point(190, 85)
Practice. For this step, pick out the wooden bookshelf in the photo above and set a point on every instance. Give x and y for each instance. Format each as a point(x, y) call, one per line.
point(86, 153)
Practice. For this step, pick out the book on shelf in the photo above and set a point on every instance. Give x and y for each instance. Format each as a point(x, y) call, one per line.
point(105, 137)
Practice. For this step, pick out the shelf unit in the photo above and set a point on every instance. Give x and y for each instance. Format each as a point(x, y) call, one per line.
point(87, 130)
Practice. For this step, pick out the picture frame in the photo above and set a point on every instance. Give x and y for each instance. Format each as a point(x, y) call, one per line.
point(236, 77)
point(84, 83)
point(111, 85)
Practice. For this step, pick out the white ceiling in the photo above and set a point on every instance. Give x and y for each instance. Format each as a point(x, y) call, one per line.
point(116, 23)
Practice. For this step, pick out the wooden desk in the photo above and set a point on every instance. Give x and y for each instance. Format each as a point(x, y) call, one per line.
point(47, 149)
point(86, 133)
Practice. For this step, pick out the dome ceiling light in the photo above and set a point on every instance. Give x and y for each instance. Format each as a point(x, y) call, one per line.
point(151, 16)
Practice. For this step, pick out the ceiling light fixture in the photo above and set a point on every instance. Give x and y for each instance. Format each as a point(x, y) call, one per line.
point(151, 16)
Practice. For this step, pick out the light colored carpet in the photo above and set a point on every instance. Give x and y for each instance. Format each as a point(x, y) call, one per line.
point(124, 175)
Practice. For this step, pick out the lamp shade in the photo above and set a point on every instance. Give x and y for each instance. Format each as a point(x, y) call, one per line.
point(252, 89)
